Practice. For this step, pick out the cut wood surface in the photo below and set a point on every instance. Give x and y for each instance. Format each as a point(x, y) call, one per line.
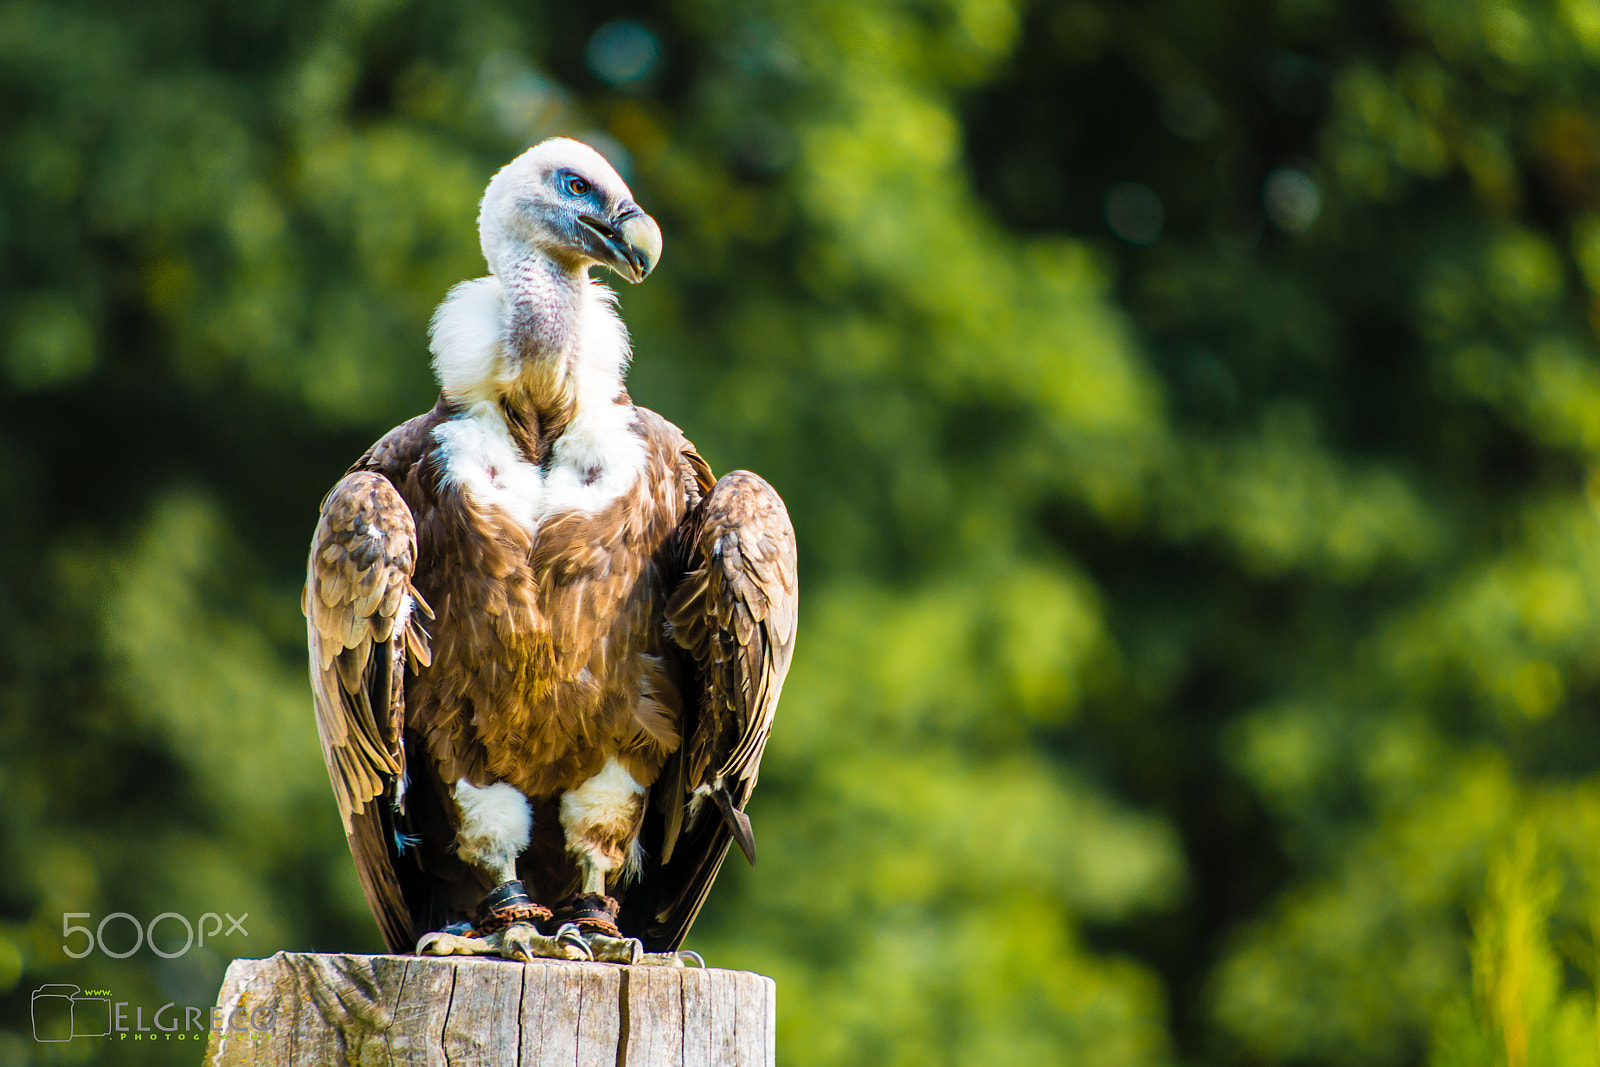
point(300, 1008)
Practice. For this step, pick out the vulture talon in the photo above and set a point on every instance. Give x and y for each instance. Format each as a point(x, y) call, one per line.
point(569, 935)
point(519, 941)
point(440, 943)
point(525, 943)
point(627, 950)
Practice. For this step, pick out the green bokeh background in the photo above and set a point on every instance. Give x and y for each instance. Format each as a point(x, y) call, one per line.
point(1189, 410)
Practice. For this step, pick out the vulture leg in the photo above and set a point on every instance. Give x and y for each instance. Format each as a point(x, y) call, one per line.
point(601, 821)
point(494, 825)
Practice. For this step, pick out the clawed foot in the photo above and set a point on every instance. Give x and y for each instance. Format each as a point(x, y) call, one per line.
point(609, 949)
point(508, 926)
point(519, 941)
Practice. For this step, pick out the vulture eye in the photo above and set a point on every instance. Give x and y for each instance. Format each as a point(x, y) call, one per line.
point(575, 185)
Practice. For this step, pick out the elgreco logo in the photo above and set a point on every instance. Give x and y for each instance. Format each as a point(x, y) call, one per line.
point(63, 1012)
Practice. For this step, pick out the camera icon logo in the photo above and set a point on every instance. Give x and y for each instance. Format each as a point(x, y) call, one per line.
point(61, 1013)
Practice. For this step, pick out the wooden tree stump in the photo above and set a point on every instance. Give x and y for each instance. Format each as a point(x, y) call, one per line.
point(301, 1008)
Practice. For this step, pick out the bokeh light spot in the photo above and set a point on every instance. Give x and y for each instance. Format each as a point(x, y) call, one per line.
point(1291, 199)
point(1135, 213)
point(623, 53)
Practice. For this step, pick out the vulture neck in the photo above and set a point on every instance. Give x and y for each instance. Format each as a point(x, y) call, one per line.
point(545, 338)
point(544, 311)
point(541, 344)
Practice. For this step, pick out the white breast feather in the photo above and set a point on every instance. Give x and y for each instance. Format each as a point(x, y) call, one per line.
point(468, 341)
point(600, 437)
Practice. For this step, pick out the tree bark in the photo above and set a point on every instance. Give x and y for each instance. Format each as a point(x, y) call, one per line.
point(299, 1008)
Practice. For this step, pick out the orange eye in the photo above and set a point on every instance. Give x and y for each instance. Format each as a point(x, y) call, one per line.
point(576, 186)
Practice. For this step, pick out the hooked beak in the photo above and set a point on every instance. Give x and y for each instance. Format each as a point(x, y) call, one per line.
point(629, 243)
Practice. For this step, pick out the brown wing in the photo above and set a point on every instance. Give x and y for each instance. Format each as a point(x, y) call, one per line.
point(735, 614)
point(363, 628)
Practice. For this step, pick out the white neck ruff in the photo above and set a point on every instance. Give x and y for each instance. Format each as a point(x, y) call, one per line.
point(598, 456)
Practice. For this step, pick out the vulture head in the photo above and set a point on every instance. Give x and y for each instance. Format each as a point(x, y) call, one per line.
point(561, 200)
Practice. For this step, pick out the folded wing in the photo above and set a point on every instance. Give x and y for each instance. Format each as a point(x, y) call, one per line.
point(734, 614)
point(364, 625)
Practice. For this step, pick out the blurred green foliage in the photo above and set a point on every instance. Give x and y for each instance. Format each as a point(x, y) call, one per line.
point(1190, 411)
point(1519, 1012)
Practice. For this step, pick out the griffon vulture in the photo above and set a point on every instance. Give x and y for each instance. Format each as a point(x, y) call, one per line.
point(546, 643)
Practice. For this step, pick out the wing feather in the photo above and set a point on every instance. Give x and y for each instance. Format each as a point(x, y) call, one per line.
point(736, 616)
point(361, 636)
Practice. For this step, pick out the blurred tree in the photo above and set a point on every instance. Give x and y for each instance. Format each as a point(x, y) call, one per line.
point(1189, 412)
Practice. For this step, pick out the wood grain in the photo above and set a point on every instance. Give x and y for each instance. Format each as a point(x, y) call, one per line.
point(376, 1011)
